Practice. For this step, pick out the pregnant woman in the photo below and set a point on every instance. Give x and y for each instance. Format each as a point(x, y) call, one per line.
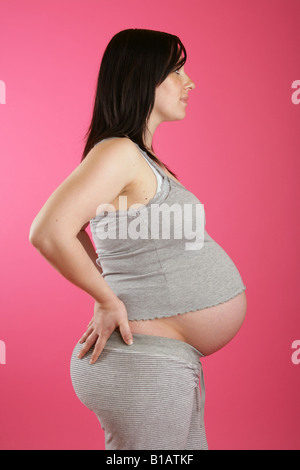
point(161, 302)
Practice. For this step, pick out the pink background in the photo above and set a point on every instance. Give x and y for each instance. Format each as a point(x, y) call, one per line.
point(238, 150)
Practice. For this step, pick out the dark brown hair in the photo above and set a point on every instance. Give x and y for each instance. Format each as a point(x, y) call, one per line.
point(134, 63)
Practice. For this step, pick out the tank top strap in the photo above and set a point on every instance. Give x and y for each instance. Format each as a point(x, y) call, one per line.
point(152, 162)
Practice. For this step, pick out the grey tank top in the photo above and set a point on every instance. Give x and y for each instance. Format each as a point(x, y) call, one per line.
point(158, 258)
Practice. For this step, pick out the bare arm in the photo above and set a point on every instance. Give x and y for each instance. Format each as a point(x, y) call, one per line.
point(70, 259)
point(87, 244)
point(57, 234)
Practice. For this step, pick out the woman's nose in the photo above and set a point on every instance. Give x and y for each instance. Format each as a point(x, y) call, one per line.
point(189, 83)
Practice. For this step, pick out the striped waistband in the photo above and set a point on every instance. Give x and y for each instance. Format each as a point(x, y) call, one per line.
point(156, 345)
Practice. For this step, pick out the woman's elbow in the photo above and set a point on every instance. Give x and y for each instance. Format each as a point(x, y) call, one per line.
point(36, 237)
point(39, 235)
point(47, 238)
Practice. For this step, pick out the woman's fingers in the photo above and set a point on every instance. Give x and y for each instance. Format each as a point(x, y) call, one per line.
point(100, 341)
point(88, 344)
point(86, 335)
point(99, 346)
point(126, 332)
point(105, 320)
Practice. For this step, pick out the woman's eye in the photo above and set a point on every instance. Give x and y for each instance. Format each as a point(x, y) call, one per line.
point(177, 71)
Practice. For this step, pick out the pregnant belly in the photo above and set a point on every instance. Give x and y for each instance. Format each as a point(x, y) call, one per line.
point(207, 330)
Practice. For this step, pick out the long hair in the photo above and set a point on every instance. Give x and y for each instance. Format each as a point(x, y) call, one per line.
point(134, 63)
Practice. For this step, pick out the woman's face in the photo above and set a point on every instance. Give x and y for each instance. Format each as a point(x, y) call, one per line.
point(171, 96)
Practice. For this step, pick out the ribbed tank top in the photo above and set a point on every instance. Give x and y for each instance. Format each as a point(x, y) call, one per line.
point(159, 259)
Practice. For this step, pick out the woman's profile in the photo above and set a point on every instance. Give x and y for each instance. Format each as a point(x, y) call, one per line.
point(161, 302)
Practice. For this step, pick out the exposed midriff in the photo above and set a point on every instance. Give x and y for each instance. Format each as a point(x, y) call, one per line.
point(207, 330)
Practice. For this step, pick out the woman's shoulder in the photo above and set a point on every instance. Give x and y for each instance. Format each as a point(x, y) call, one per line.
point(119, 151)
point(114, 157)
point(117, 143)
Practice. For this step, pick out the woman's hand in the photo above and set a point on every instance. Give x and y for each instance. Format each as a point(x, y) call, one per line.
point(107, 317)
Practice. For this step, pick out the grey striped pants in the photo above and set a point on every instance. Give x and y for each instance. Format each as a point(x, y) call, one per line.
point(147, 395)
